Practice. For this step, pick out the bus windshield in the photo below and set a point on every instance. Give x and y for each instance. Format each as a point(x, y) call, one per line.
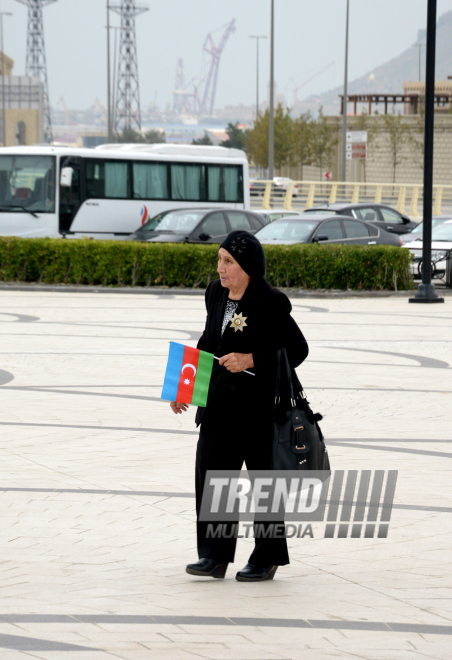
point(27, 182)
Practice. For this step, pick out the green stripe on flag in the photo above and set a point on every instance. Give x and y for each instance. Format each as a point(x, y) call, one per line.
point(203, 374)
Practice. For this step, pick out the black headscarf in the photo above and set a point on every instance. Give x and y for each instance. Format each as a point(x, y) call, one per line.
point(247, 251)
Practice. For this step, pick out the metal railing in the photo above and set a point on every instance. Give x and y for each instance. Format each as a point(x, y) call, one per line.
point(301, 195)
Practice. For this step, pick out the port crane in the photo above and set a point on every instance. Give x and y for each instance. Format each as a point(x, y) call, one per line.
point(208, 99)
point(201, 100)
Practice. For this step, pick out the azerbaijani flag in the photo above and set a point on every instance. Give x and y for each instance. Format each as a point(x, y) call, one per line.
point(187, 375)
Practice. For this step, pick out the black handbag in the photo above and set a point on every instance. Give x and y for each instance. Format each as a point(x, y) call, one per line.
point(298, 442)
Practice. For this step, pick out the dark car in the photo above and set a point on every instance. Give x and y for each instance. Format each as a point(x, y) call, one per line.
point(197, 225)
point(383, 216)
point(317, 228)
point(418, 231)
point(257, 187)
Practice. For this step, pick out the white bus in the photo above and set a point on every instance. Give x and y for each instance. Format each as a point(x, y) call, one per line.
point(107, 192)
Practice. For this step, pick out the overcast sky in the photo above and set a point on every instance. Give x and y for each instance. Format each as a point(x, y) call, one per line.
point(308, 36)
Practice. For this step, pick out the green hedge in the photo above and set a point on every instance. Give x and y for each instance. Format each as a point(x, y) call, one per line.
point(129, 263)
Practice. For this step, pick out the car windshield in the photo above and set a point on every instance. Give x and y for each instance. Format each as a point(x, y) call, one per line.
point(321, 211)
point(420, 227)
point(442, 232)
point(175, 221)
point(276, 215)
point(27, 182)
point(287, 230)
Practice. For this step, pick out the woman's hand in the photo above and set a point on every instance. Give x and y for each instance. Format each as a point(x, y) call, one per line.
point(178, 408)
point(236, 362)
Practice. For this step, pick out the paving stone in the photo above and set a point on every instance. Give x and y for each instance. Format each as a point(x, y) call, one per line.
point(97, 482)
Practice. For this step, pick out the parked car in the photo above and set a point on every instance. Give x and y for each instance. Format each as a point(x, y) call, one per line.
point(281, 183)
point(276, 214)
point(441, 246)
point(278, 189)
point(383, 216)
point(419, 229)
point(257, 187)
point(197, 225)
point(317, 228)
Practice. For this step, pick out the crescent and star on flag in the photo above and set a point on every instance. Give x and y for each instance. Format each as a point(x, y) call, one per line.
point(191, 366)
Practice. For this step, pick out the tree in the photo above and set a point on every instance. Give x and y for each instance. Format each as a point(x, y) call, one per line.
point(284, 137)
point(236, 137)
point(416, 139)
point(205, 139)
point(303, 140)
point(256, 141)
point(130, 135)
point(155, 136)
point(397, 136)
point(323, 141)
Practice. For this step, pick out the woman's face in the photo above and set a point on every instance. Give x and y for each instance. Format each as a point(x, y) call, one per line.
point(232, 275)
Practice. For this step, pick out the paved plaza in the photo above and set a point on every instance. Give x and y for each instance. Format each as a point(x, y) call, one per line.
point(97, 488)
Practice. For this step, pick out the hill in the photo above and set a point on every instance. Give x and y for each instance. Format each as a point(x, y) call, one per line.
point(389, 77)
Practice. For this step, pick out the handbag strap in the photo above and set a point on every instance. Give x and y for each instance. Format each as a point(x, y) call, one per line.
point(283, 371)
point(278, 377)
point(298, 386)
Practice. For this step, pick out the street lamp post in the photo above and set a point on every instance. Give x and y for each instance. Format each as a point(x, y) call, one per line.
point(426, 292)
point(109, 126)
point(3, 13)
point(344, 104)
point(420, 56)
point(252, 36)
point(271, 128)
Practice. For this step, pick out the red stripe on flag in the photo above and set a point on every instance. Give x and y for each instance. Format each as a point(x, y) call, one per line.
point(187, 375)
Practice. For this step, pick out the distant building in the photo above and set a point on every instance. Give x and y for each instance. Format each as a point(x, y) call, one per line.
point(92, 139)
point(412, 99)
point(21, 97)
point(7, 63)
point(443, 93)
point(233, 113)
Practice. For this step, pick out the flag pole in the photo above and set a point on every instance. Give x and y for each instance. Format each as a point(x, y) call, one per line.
point(217, 358)
point(244, 371)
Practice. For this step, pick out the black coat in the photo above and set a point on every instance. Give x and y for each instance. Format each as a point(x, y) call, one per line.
point(269, 325)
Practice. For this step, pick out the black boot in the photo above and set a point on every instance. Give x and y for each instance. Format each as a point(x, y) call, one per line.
point(208, 568)
point(252, 573)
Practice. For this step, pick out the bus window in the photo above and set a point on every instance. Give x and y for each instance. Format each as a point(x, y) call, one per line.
point(188, 182)
point(107, 178)
point(233, 184)
point(150, 180)
point(216, 186)
point(28, 181)
point(225, 183)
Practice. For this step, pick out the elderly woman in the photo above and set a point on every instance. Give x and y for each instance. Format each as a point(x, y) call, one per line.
point(247, 320)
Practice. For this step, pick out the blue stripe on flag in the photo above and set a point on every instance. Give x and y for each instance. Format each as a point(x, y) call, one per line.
point(172, 374)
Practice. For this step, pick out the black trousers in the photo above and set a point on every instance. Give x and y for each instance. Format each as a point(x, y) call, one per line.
point(225, 446)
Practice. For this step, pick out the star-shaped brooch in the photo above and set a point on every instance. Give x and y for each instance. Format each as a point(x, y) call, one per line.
point(238, 322)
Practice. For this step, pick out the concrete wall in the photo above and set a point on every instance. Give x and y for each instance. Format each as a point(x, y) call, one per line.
point(378, 166)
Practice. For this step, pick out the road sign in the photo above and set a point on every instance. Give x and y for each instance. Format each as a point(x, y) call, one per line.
point(328, 175)
point(356, 136)
point(356, 150)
